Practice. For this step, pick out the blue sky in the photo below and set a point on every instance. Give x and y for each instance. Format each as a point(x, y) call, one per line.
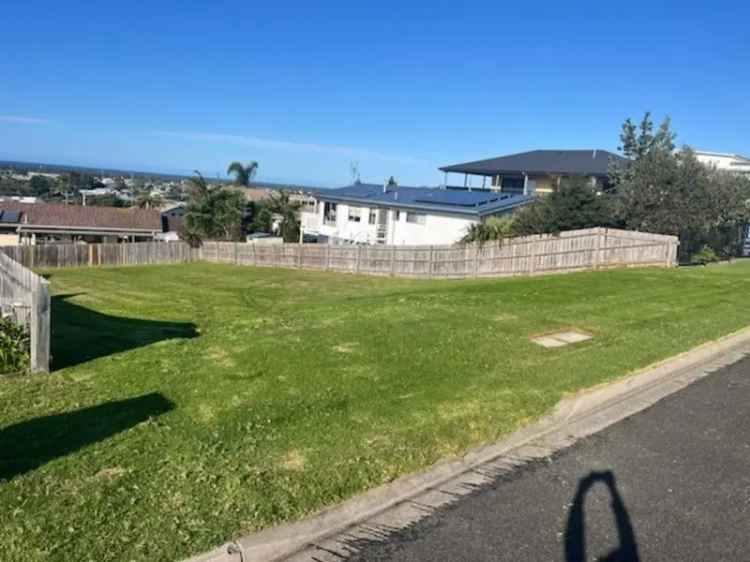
point(399, 87)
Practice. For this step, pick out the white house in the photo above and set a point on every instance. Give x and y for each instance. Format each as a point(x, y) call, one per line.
point(724, 161)
point(375, 214)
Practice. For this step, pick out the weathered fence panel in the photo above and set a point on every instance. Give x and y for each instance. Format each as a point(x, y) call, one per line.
point(24, 296)
point(575, 250)
point(78, 255)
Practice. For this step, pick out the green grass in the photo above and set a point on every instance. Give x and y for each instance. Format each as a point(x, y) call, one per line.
point(193, 403)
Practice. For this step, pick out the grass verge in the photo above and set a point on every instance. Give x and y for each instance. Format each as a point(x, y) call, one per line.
point(194, 403)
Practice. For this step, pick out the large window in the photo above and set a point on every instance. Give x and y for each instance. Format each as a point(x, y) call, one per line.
point(415, 218)
point(512, 185)
point(355, 214)
point(373, 216)
point(329, 213)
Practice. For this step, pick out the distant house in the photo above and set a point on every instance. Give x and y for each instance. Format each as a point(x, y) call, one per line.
point(375, 214)
point(43, 223)
point(725, 161)
point(533, 172)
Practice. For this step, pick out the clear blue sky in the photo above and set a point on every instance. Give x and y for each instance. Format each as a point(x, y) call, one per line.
point(399, 87)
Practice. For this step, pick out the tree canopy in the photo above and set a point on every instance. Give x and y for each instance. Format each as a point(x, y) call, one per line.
point(213, 213)
point(243, 174)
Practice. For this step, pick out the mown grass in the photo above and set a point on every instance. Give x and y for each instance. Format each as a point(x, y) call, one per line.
point(193, 403)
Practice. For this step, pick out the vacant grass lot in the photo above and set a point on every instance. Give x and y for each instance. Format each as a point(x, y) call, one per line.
point(193, 403)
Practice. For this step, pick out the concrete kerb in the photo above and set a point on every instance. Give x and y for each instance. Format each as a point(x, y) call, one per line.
point(329, 535)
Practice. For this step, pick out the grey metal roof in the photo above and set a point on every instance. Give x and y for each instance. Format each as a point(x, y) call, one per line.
point(565, 162)
point(426, 199)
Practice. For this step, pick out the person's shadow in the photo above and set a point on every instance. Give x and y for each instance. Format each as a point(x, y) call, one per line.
point(575, 532)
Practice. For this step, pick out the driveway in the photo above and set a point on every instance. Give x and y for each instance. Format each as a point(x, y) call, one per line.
point(669, 483)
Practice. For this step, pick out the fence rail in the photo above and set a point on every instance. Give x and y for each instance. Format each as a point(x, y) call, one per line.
point(576, 250)
point(24, 297)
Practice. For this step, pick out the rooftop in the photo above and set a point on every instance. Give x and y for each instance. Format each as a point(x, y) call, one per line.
point(73, 216)
point(564, 162)
point(477, 203)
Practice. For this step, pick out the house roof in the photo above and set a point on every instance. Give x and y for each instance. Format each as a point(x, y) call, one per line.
point(60, 216)
point(426, 199)
point(564, 162)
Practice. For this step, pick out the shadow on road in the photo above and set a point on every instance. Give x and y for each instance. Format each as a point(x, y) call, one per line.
point(80, 334)
point(575, 532)
point(27, 445)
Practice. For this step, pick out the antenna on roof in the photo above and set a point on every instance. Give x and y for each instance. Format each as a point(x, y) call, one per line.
point(594, 155)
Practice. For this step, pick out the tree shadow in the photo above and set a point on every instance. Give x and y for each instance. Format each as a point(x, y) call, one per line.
point(575, 532)
point(80, 334)
point(27, 445)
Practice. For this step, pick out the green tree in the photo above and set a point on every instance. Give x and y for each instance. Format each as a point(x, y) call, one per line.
point(494, 228)
point(213, 213)
point(577, 204)
point(262, 218)
point(39, 185)
point(243, 175)
point(146, 200)
point(287, 210)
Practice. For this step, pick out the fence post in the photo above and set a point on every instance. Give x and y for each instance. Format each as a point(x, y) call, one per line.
point(604, 248)
point(40, 327)
point(532, 254)
point(476, 249)
point(596, 261)
point(299, 254)
point(235, 253)
point(359, 257)
point(328, 257)
point(430, 261)
point(393, 260)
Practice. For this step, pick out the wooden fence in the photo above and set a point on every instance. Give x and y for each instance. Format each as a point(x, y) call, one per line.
point(77, 255)
point(24, 296)
point(576, 250)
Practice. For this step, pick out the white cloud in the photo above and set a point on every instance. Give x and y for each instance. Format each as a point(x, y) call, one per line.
point(22, 120)
point(289, 146)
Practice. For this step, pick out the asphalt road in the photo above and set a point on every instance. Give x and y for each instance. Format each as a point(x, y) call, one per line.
point(670, 483)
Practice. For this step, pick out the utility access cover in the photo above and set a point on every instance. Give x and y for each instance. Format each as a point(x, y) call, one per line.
point(560, 339)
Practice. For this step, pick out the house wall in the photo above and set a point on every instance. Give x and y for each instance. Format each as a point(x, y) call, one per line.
point(724, 162)
point(436, 229)
point(8, 239)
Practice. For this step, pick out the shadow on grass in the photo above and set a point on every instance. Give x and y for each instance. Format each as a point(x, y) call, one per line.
point(80, 334)
point(30, 444)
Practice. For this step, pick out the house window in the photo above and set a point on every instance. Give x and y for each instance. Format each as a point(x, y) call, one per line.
point(398, 216)
point(415, 218)
point(329, 213)
point(512, 185)
point(373, 216)
point(355, 214)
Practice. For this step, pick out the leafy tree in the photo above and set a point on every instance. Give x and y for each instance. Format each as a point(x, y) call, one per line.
point(577, 204)
point(146, 200)
point(494, 228)
point(262, 218)
point(638, 142)
point(282, 206)
point(243, 175)
point(39, 185)
point(213, 212)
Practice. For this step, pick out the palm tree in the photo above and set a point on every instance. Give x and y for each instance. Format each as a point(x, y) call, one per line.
point(147, 200)
point(243, 175)
point(280, 205)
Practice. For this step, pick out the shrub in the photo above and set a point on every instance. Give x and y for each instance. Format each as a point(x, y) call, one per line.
point(703, 256)
point(14, 347)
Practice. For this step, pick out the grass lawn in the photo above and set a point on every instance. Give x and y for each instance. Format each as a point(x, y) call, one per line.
point(193, 403)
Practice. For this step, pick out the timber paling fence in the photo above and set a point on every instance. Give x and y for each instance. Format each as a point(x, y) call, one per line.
point(575, 250)
point(25, 295)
